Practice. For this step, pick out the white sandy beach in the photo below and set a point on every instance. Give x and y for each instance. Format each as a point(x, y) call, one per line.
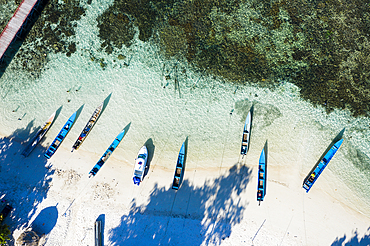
point(212, 206)
point(216, 203)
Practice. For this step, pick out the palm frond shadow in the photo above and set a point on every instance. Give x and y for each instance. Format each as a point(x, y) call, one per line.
point(213, 210)
point(355, 240)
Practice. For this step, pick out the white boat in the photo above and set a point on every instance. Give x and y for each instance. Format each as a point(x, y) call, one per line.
point(246, 134)
point(140, 165)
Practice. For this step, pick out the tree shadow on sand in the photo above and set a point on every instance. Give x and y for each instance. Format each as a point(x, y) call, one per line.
point(355, 240)
point(190, 216)
point(24, 182)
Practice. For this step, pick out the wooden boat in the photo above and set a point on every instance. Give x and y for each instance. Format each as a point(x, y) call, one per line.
point(246, 135)
point(61, 136)
point(89, 126)
point(140, 165)
point(179, 172)
point(261, 187)
point(107, 154)
point(39, 135)
point(315, 173)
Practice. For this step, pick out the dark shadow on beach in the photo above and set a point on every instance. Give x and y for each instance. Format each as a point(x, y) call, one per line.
point(45, 221)
point(173, 217)
point(151, 148)
point(355, 240)
point(24, 182)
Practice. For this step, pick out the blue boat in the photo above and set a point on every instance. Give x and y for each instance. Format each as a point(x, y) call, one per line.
point(261, 187)
point(107, 154)
point(312, 177)
point(179, 172)
point(61, 136)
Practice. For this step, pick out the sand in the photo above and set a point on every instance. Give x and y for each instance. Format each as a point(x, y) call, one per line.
point(214, 206)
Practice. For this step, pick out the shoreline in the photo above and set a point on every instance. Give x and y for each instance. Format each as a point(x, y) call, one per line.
point(220, 203)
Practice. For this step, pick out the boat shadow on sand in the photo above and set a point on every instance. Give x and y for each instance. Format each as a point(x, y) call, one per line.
point(192, 215)
point(24, 182)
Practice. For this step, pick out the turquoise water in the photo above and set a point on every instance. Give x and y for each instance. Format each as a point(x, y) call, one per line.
point(205, 108)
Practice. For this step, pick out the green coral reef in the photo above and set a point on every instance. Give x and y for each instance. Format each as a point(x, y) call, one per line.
point(320, 46)
point(53, 32)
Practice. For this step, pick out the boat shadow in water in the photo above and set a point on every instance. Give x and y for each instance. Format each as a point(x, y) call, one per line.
point(24, 182)
point(193, 215)
point(355, 240)
point(336, 139)
point(151, 148)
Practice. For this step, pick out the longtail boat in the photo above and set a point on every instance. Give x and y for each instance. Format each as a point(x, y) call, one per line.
point(246, 135)
point(179, 172)
point(261, 187)
point(89, 126)
point(312, 177)
point(39, 135)
point(61, 136)
point(107, 154)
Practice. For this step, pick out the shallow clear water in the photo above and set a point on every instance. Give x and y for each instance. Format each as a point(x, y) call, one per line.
point(204, 108)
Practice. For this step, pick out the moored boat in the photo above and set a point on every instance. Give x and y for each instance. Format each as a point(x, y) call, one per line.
point(61, 136)
point(313, 176)
point(107, 153)
point(140, 165)
point(246, 134)
point(39, 135)
point(89, 126)
point(179, 172)
point(261, 186)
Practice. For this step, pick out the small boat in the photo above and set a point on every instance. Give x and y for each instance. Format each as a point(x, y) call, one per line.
point(179, 172)
point(107, 154)
point(246, 135)
point(312, 177)
point(140, 165)
point(61, 136)
point(98, 231)
point(39, 135)
point(261, 187)
point(89, 126)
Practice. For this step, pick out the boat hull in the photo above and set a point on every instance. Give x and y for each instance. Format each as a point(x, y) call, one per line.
point(60, 137)
point(89, 126)
point(246, 135)
point(314, 175)
point(261, 185)
point(107, 154)
point(140, 165)
point(39, 135)
point(179, 172)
